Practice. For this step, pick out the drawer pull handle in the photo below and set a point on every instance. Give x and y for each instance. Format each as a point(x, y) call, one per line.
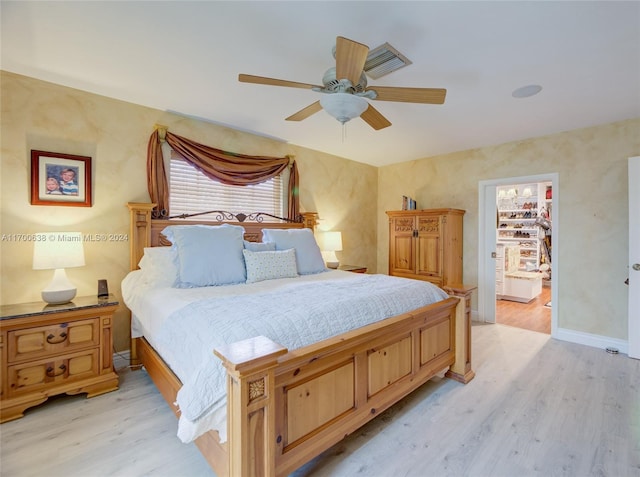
point(51, 373)
point(62, 336)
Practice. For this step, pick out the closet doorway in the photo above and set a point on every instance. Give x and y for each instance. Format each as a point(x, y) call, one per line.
point(524, 299)
point(524, 269)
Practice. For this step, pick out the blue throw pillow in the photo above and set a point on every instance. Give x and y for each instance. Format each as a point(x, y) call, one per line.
point(308, 255)
point(208, 255)
point(259, 246)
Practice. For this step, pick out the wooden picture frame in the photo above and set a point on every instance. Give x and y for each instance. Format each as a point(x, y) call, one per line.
point(60, 179)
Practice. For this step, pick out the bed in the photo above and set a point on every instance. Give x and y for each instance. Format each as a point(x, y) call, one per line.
point(285, 404)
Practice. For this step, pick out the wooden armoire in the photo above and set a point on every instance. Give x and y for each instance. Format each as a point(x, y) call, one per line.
point(427, 245)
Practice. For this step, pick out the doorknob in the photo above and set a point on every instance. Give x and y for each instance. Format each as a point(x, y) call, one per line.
point(636, 267)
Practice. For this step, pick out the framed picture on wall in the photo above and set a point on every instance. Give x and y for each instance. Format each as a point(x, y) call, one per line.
point(60, 179)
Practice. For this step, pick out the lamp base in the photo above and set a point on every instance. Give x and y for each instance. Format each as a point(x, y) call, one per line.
point(57, 297)
point(330, 259)
point(60, 290)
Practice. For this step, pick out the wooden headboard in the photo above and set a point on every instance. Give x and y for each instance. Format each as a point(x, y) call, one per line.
point(146, 231)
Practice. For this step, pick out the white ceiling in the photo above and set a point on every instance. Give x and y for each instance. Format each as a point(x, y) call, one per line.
point(185, 57)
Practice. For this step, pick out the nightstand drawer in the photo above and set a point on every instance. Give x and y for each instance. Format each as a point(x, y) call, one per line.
point(44, 373)
point(42, 341)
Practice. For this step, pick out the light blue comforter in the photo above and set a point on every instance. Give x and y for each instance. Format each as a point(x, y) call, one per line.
point(293, 315)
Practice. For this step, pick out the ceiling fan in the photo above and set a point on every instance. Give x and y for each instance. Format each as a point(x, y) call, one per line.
point(345, 89)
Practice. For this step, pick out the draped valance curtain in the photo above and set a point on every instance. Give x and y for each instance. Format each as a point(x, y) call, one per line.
point(226, 167)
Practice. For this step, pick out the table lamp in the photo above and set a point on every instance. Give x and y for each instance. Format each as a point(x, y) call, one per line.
point(331, 243)
point(57, 251)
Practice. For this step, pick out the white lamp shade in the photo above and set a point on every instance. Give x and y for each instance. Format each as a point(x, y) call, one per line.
point(57, 251)
point(331, 241)
point(343, 106)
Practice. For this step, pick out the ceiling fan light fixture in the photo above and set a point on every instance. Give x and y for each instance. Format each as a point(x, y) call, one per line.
point(343, 106)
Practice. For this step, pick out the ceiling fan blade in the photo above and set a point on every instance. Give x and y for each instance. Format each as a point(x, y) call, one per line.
point(410, 95)
point(374, 119)
point(274, 82)
point(350, 59)
point(306, 112)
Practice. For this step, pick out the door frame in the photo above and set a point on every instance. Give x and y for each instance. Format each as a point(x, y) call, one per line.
point(487, 244)
point(634, 257)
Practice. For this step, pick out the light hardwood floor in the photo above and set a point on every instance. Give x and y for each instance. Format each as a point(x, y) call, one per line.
point(534, 316)
point(537, 407)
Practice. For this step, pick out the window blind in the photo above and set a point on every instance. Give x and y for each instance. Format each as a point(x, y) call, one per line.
point(190, 192)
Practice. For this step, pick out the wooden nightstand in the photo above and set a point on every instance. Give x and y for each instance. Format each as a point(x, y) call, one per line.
point(353, 268)
point(54, 349)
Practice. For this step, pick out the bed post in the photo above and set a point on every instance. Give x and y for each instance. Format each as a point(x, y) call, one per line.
point(310, 220)
point(139, 231)
point(140, 237)
point(250, 368)
point(461, 370)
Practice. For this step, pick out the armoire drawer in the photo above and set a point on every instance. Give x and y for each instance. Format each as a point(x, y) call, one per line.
point(43, 341)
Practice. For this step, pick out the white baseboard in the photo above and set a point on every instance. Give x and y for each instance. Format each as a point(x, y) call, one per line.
point(589, 339)
point(580, 337)
point(563, 334)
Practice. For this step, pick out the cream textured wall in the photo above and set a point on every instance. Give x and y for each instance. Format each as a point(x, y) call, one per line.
point(349, 196)
point(45, 116)
point(593, 223)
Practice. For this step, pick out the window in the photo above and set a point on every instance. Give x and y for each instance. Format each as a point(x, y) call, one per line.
point(191, 192)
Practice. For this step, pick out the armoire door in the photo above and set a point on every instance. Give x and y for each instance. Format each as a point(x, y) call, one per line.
point(429, 244)
point(402, 246)
point(429, 256)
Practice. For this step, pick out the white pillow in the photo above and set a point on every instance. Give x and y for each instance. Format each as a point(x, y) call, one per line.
point(259, 246)
point(308, 255)
point(268, 265)
point(208, 255)
point(160, 266)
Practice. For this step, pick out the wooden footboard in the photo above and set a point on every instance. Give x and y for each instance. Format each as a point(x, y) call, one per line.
point(285, 409)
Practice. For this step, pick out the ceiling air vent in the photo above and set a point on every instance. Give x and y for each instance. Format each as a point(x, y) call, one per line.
point(384, 60)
